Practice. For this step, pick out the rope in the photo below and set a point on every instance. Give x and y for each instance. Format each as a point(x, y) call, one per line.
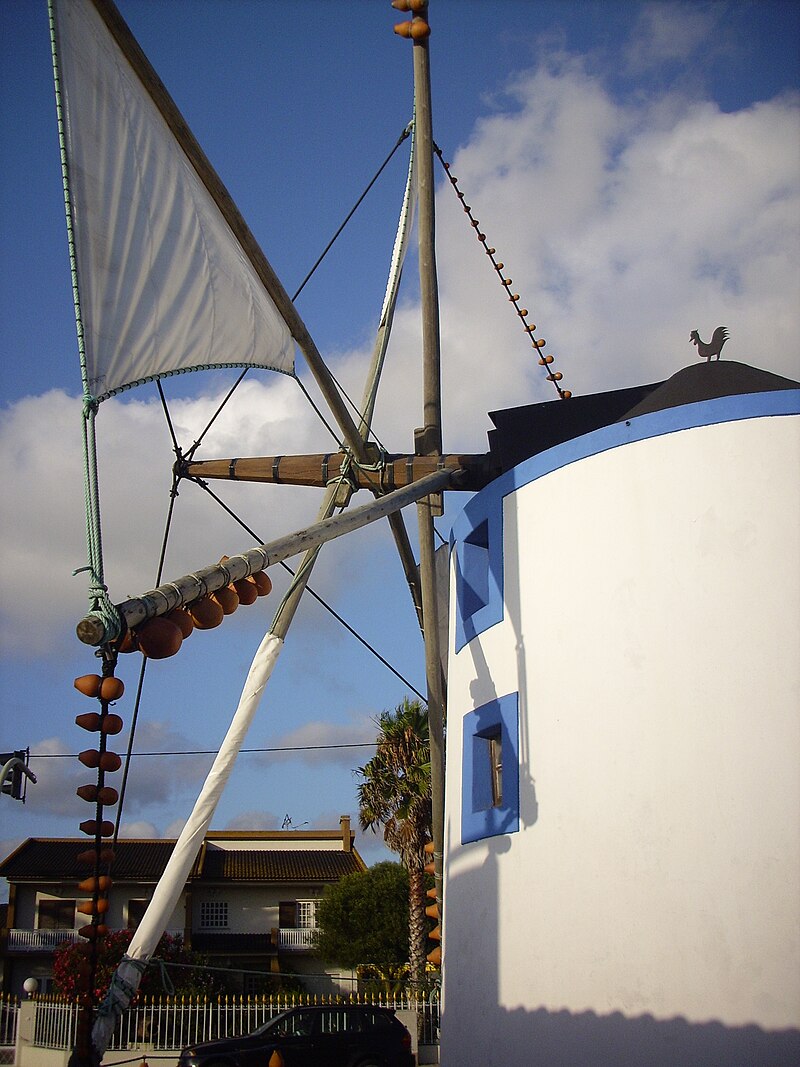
point(98, 594)
point(530, 328)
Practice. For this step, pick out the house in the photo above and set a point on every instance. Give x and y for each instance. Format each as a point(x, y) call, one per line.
point(249, 904)
point(622, 849)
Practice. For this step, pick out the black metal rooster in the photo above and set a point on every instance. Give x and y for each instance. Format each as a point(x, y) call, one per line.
point(707, 350)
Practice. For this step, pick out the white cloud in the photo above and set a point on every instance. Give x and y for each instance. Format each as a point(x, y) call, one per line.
point(323, 743)
point(671, 31)
point(624, 227)
point(254, 819)
point(139, 829)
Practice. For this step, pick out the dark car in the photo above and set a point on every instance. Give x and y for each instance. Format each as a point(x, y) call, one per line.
point(337, 1035)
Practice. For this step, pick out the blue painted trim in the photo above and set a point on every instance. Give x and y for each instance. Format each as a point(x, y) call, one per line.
point(479, 575)
point(478, 818)
point(473, 616)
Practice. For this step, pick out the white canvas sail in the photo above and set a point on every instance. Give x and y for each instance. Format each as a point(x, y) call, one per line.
point(164, 283)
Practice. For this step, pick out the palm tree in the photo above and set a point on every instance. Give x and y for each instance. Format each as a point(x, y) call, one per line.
point(395, 793)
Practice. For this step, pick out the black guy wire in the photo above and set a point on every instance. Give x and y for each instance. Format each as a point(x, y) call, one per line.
point(142, 670)
point(334, 434)
point(315, 595)
point(216, 414)
point(353, 210)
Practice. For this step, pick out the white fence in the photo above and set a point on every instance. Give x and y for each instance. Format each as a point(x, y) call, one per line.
point(9, 1016)
point(171, 1023)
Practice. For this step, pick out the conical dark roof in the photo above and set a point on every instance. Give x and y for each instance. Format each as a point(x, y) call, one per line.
point(525, 431)
point(708, 381)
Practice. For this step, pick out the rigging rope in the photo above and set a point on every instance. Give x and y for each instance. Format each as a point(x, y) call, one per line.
point(530, 328)
point(98, 593)
point(352, 212)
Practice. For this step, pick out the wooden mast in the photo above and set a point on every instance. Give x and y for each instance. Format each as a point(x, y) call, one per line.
point(428, 439)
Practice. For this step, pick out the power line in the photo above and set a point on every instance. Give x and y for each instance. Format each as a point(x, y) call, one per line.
point(213, 751)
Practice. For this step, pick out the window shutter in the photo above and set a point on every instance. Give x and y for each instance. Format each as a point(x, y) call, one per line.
point(287, 914)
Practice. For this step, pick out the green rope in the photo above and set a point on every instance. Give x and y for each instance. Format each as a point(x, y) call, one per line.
point(98, 594)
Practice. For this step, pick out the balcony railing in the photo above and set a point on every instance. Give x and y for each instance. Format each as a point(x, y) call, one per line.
point(295, 939)
point(44, 940)
point(39, 940)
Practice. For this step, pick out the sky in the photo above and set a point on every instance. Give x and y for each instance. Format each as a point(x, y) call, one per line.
point(637, 168)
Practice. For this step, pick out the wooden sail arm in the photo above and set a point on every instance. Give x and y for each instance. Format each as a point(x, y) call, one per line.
point(132, 613)
point(387, 473)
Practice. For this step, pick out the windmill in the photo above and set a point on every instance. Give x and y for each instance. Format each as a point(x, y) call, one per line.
point(94, 48)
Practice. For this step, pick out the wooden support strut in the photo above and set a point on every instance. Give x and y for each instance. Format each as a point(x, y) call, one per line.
point(392, 472)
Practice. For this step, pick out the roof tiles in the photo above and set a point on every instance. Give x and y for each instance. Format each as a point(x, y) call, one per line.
point(55, 860)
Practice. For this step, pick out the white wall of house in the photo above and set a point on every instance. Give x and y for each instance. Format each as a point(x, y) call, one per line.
point(251, 909)
point(651, 629)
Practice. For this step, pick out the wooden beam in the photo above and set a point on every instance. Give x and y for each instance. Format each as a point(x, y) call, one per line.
point(394, 472)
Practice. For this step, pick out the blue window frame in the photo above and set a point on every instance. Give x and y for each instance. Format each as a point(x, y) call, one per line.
point(478, 543)
point(490, 790)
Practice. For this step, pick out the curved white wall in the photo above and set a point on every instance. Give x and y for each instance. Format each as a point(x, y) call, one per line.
point(651, 627)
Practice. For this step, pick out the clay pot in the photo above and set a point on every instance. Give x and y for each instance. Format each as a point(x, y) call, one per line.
point(227, 598)
point(182, 619)
point(90, 720)
point(246, 590)
point(111, 724)
point(90, 827)
point(87, 858)
point(206, 613)
point(263, 582)
point(88, 684)
point(159, 638)
point(111, 689)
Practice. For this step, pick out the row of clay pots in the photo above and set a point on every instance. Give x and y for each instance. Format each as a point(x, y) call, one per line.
point(162, 637)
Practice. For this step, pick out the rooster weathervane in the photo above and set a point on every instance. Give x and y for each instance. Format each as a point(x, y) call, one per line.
point(708, 349)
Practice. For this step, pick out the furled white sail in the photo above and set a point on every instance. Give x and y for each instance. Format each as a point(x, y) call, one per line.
point(168, 891)
point(164, 284)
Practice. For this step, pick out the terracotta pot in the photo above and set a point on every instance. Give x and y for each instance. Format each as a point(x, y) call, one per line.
point(182, 619)
point(206, 613)
point(159, 638)
point(88, 684)
point(111, 689)
point(263, 582)
point(246, 590)
point(227, 598)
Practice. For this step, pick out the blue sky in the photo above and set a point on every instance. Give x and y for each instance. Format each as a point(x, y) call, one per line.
point(637, 167)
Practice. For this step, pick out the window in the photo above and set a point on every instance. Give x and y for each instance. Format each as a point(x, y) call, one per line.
point(213, 915)
point(490, 770)
point(478, 545)
point(496, 768)
point(136, 910)
point(475, 570)
point(56, 915)
point(307, 914)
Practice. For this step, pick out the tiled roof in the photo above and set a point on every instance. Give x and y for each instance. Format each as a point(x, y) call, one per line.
point(55, 859)
point(279, 865)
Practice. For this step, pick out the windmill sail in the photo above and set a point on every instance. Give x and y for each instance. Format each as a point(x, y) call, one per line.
point(169, 277)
